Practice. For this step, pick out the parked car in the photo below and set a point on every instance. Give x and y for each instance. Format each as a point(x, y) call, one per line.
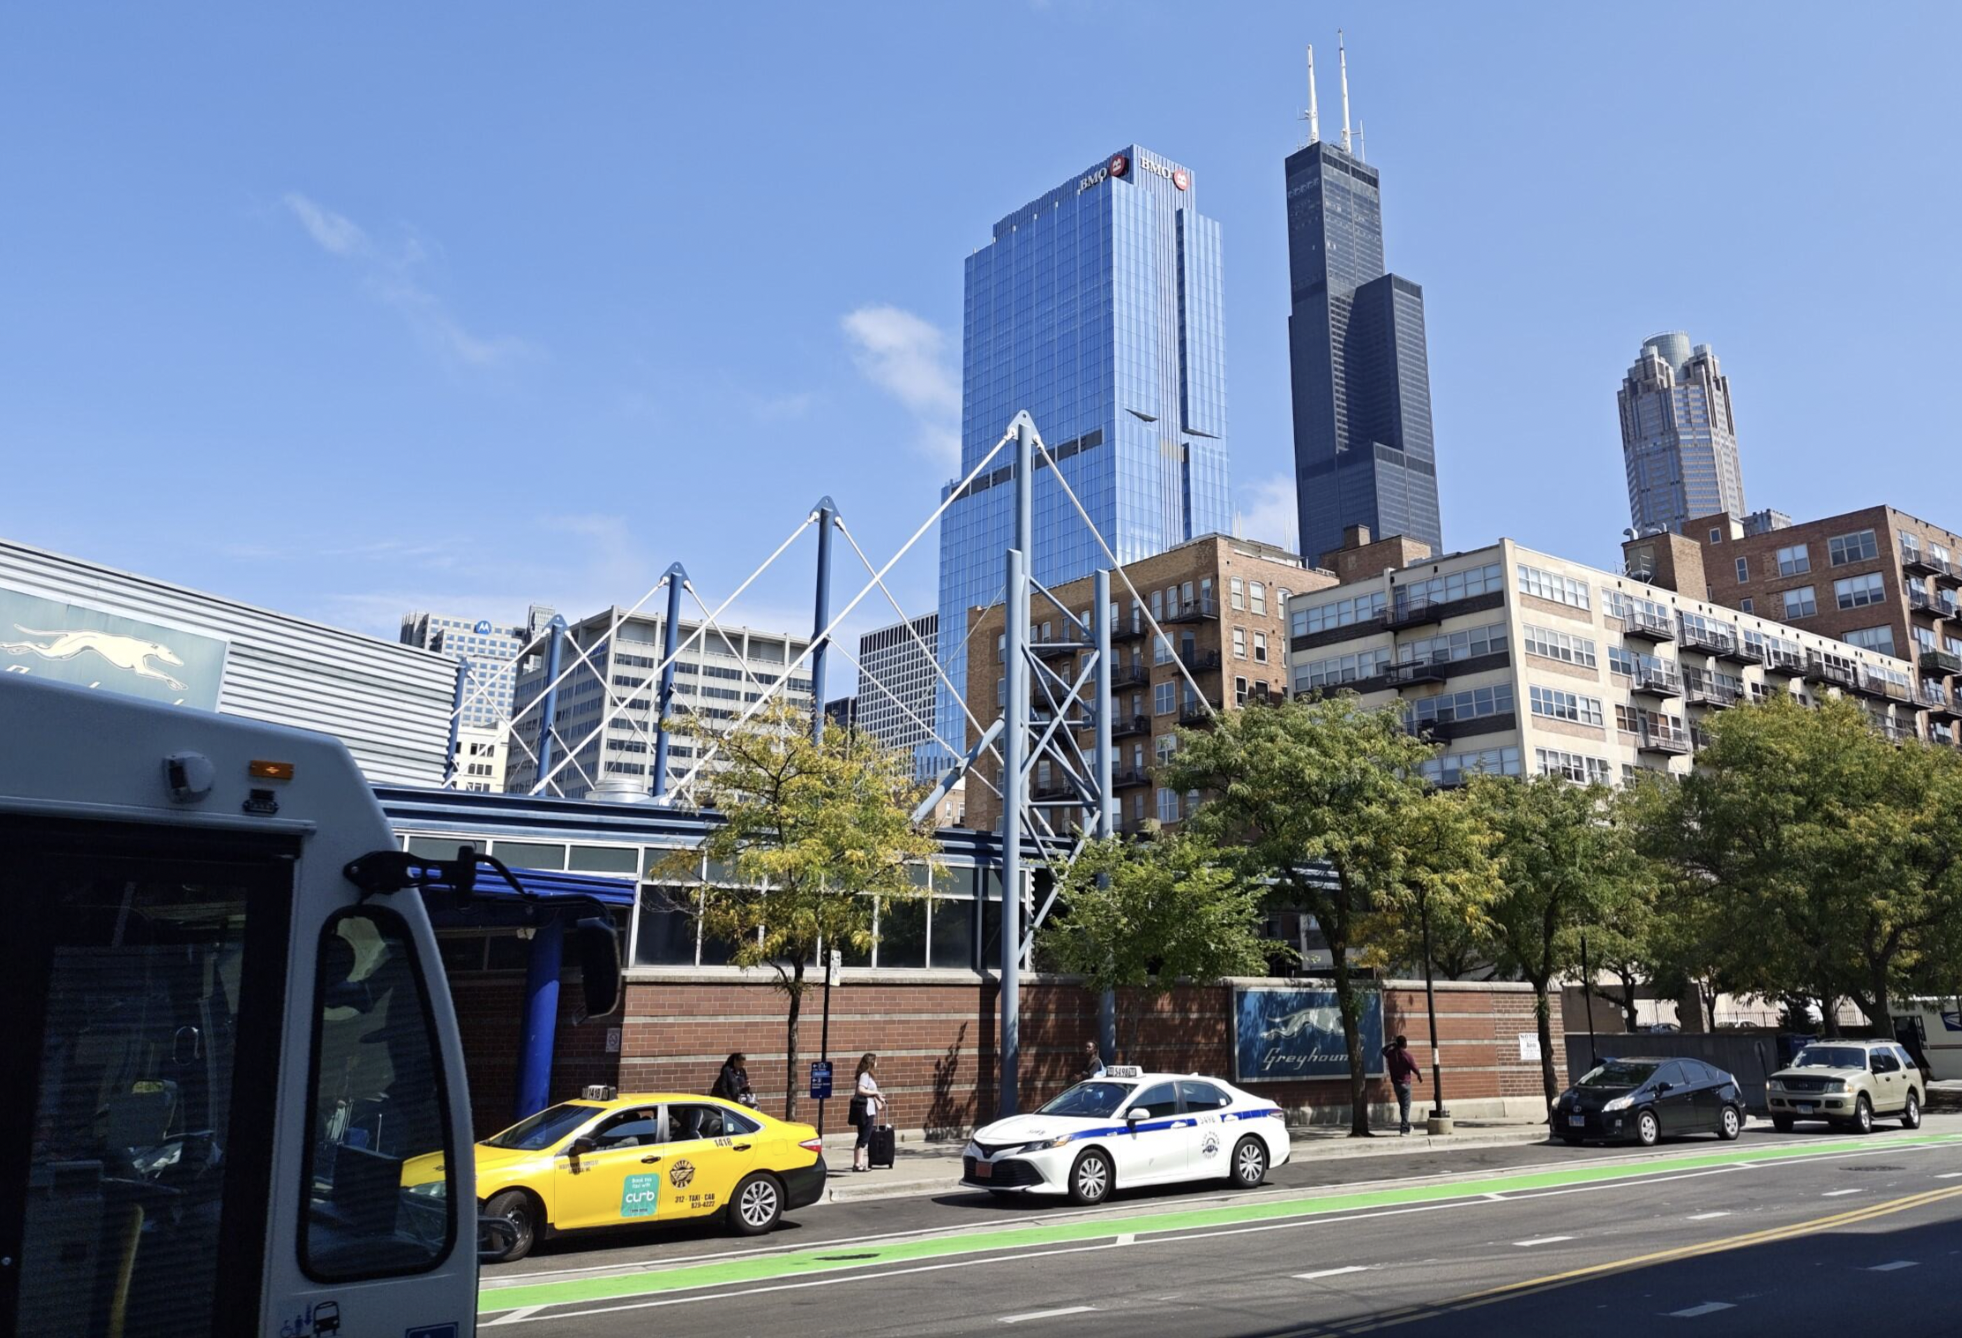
point(1641, 1100)
point(1846, 1083)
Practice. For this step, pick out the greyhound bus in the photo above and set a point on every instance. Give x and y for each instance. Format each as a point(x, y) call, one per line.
point(226, 1029)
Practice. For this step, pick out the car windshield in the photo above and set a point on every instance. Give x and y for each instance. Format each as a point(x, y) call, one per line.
point(1618, 1073)
point(537, 1132)
point(1830, 1057)
point(1090, 1100)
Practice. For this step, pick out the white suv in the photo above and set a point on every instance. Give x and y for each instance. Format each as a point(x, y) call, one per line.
point(1846, 1083)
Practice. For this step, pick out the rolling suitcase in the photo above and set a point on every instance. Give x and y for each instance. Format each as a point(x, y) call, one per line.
point(880, 1152)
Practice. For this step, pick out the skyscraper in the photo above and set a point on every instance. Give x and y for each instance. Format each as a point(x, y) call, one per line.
point(1678, 439)
point(1363, 453)
point(1098, 308)
point(895, 682)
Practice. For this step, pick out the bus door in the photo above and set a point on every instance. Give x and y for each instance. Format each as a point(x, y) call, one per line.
point(142, 993)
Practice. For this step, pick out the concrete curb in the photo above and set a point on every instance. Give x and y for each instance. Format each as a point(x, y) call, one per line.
point(904, 1181)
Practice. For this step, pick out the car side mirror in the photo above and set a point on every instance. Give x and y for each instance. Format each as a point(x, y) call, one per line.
point(579, 1147)
point(1662, 1087)
point(496, 1237)
point(1140, 1113)
point(599, 966)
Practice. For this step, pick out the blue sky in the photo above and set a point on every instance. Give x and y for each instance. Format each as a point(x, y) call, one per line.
point(365, 308)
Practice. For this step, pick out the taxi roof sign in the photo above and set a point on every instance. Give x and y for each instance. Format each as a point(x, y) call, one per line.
point(1124, 1071)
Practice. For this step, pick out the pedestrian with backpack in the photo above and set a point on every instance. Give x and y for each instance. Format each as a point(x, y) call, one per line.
point(866, 1109)
point(1403, 1071)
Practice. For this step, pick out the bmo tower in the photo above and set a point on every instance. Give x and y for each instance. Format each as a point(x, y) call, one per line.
point(1098, 308)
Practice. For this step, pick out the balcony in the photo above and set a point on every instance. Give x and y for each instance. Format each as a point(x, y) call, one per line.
point(1658, 678)
point(1721, 644)
point(1948, 573)
point(1747, 653)
point(1054, 791)
point(1193, 611)
point(1941, 662)
point(1125, 726)
point(1419, 612)
point(1055, 651)
point(1669, 738)
point(1194, 714)
point(1705, 690)
point(1922, 602)
point(1129, 676)
point(1199, 661)
point(1818, 669)
point(1128, 778)
point(1916, 563)
point(1415, 674)
point(1787, 662)
point(1132, 631)
point(1882, 688)
point(1649, 626)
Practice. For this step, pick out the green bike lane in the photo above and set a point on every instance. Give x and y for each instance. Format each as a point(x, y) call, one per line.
point(847, 1256)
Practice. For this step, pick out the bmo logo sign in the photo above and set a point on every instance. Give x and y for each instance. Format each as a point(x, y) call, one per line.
point(1118, 166)
point(1176, 175)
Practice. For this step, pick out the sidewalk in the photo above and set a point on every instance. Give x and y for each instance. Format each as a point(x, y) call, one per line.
point(922, 1167)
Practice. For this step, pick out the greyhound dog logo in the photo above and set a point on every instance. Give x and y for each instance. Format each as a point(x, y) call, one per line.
point(1289, 1025)
point(125, 652)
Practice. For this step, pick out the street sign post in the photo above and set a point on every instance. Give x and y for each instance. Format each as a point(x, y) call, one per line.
point(821, 1080)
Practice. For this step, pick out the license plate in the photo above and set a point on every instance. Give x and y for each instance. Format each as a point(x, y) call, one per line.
point(1578, 1121)
point(1806, 1107)
point(984, 1170)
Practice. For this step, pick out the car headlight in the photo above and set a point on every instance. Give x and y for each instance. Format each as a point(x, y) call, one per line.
point(1834, 1085)
point(433, 1189)
point(1619, 1103)
point(1775, 1085)
point(1043, 1144)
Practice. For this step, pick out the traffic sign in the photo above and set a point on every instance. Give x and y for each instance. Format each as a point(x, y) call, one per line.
point(821, 1080)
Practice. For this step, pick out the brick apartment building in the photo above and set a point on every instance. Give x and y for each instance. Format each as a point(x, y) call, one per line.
point(1878, 578)
point(1222, 604)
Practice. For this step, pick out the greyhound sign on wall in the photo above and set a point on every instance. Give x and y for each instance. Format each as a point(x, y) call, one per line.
point(73, 643)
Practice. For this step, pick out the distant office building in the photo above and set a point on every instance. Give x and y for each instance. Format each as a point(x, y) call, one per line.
point(490, 652)
point(1097, 307)
point(607, 709)
point(1678, 438)
point(1363, 450)
point(896, 682)
point(78, 622)
point(1765, 521)
point(843, 712)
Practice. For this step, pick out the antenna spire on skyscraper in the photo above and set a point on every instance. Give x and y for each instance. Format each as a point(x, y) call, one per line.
point(1314, 118)
point(1359, 141)
point(1342, 59)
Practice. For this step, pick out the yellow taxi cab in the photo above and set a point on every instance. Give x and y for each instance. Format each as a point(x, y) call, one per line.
point(626, 1160)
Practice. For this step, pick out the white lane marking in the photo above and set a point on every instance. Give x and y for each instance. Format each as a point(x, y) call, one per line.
point(1496, 1198)
point(1127, 1239)
point(1698, 1311)
point(1705, 1217)
point(1952, 1175)
point(1542, 1240)
point(1334, 1272)
point(1048, 1314)
point(514, 1317)
point(1894, 1267)
point(1838, 1193)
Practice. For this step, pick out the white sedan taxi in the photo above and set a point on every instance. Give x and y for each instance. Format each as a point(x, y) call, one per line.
point(1130, 1128)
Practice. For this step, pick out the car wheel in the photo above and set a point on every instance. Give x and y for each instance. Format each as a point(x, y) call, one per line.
point(1090, 1179)
point(1647, 1129)
point(1249, 1166)
point(521, 1211)
point(1782, 1123)
point(756, 1205)
point(1863, 1115)
point(1911, 1112)
point(1730, 1126)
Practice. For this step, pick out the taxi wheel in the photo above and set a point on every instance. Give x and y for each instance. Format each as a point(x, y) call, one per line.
point(521, 1211)
point(1249, 1166)
point(1090, 1179)
point(756, 1205)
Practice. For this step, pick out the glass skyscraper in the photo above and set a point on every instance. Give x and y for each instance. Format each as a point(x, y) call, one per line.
point(1678, 439)
point(1363, 453)
point(1098, 307)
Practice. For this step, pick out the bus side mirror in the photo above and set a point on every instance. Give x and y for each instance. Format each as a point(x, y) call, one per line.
point(599, 965)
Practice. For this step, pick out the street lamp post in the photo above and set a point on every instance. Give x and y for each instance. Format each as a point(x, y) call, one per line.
point(1587, 993)
point(1438, 1113)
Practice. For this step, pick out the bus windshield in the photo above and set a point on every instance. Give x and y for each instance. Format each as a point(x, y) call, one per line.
point(537, 1132)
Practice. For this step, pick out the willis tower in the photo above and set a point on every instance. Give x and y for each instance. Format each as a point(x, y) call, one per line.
point(1363, 453)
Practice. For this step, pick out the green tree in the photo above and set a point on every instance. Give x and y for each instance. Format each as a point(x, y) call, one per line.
point(1564, 863)
point(813, 833)
point(1825, 860)
point(1140, 916)
point(1319, 797)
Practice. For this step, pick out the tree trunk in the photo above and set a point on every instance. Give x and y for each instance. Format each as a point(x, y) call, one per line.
point(1346, 1004)
point(1543, 1015)
point(1880, 1013)
point(1829, 1018)
point(796, 992)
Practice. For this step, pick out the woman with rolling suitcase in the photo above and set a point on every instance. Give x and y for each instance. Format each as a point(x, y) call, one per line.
point(867, 1109)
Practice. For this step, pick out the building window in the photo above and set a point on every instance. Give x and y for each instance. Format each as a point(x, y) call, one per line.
point(1910, 546)
point(1451, 646)
point(1239, 643)
point(1716, 535)
point(1281, 597)
point(1257, 598)
point(1339, 669)
point(1163, 746)
point(1338, 613)
point(1794, 561)
point(1800, 603)
point(1572, 766)
point(1572, 707)
point(1164, 698)
point(1452, 586)
point(1743, 570)
point(1236, 590)
point(1260, 648)
point(1239, 691)
point(1456, 768)
point(1551, 645)
point(1551, 585)
point(1747, 604)
point(1847, 548)
point(1161, 649)
point(1856, 592)
point(1470, 705)
point(1158, 606)
point(1168, 805)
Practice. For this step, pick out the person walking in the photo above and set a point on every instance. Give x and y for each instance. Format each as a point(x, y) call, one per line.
point(1402, 1069)
point(867, 1105)
point(1093, 1062)
point(732, 1084)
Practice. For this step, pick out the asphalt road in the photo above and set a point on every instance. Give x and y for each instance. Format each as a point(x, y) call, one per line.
point(1772, 1234)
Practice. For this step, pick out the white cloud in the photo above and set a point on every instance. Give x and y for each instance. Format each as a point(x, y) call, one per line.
point(388, 279)
point(906, 357)
point(1267, 512)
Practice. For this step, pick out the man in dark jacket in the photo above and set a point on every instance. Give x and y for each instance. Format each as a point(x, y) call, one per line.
point(1402, 1070)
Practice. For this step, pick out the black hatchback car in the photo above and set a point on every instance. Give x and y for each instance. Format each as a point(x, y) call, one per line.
point(1644, 1100)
